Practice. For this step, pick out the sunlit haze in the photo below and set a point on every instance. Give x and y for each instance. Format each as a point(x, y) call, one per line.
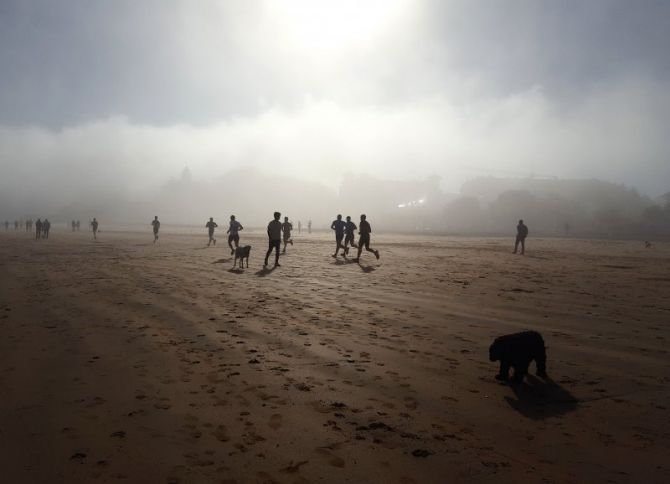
point(117, 99)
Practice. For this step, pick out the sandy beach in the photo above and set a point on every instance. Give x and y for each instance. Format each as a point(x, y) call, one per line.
point(125, 361)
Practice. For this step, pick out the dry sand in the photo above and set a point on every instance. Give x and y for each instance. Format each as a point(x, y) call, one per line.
point(121, 361)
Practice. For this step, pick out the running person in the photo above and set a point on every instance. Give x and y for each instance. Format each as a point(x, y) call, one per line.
point(233, 234)
point(156, 225)
point(94, 226)
point(338, 226)
point(211, 225)
point(286, 228)
point(349, 236)
point(364, 238)
point(274, 239)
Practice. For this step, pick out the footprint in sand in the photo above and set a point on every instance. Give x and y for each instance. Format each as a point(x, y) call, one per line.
point(275, 421)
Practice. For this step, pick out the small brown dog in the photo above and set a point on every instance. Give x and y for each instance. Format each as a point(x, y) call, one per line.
point(242, 253)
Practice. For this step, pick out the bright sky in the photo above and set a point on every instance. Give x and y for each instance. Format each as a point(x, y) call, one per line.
point(123, 94)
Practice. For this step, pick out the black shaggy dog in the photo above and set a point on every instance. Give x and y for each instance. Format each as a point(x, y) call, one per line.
point(518, 350)
point(242, 253)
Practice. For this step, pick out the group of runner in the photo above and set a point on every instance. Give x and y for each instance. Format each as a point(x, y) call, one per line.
point(347, 231)
point(279, 232)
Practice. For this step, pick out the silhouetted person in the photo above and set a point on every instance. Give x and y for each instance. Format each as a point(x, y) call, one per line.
point(349, 235)
point(309, 226)
point(46, 227)
point(286, 228)
point(157, 226)
point(521, 234)
point(274, 239)
point(6, 225)
point(16, 225)
point(38, 229)
point(233, 232)
point(211, 225)
point(29, 225)
point(78, 225)
point(94, 227)
point(74, 225)
point(299, 227)
point(364, 231)
point(338, 226)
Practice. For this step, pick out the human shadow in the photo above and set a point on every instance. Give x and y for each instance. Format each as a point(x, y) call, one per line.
point(367, 269)
point(343, 262)
point(236, 270)
point(221, 261)
point(265, 271)
point(539, 399)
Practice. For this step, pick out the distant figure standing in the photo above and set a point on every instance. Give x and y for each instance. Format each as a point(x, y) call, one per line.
point(38, 229)
point(349, 235)
point(521, 234)
point(309, 226)
point(74, 225)
point(364, 232)
point(157, 226)
point(46, 226)
point(211, 225)
point(338, 226)
point(78, 225)
point(16, 225)
point(233, 232)
point(94, 226)
point(286, 228)
point(274, 239)
point(29, 225)
point(299, 227)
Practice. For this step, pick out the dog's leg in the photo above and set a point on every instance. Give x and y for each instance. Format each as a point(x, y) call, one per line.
point(520, 370)
point(504, 371)
point(541, 363)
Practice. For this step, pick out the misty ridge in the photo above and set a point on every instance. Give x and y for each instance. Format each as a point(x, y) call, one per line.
point(485, 205)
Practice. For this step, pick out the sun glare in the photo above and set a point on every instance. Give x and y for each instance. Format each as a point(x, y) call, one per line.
point(324, 25)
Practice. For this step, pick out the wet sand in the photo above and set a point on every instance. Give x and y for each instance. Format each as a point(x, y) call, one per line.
point(124, 361)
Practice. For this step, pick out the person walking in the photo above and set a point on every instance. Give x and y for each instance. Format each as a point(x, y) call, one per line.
point(94, 227)
point(38, 229)
point(521, 234)
point(46, 227)
point(286, 228)
point(157, 226)
point(274, 239)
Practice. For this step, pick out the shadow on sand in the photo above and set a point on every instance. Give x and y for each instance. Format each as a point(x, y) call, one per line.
point(236, 270)
point(344, 262)
point(367, 269)
point(265, 271)
point(221, 261)
point(539, 399)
